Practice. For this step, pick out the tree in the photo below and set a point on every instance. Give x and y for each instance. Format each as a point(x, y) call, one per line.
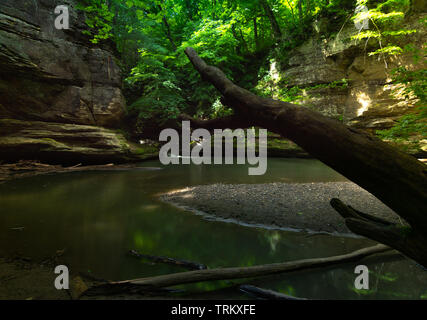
point(270, 14)
point(397, 179)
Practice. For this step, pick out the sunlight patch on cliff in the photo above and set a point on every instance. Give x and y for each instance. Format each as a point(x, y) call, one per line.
point(274, 72)
point(364, 101)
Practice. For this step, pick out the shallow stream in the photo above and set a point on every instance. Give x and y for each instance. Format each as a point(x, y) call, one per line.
point(97, 217)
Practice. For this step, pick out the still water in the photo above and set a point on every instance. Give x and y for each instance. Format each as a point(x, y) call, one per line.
point(97, 217)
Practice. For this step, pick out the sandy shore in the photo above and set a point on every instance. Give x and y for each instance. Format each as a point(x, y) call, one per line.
point(302, 206)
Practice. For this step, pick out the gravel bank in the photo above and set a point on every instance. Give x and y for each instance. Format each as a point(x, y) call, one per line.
point(280, 205)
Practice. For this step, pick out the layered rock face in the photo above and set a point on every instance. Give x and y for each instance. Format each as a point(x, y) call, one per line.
point(367, 99)
point(55, 75)
point(57, 84)
point(61, 143)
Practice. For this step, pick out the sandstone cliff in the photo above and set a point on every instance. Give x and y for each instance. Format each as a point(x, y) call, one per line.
point(367, 98)
point(56, 88)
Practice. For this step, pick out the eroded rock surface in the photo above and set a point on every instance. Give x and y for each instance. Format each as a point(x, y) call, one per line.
point(62, 143)
point(55, 75)
point(58, 91)
point(368, 100)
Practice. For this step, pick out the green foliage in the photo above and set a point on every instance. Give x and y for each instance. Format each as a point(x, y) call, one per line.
point(406, 126)
point(238, 36)
point(415, 81)
point(161, 101)
point(98, 18)
point(216, 44)
point(219, 110)
point(161, 97)
point(160, 94)
point(386, 19)
point(269, 87)
point(343, 83)
point(214, 40)
point(414, 86)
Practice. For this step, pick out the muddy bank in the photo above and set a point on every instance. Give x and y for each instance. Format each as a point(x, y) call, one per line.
point(302, 206)
point(22, 278)
point(25, 278)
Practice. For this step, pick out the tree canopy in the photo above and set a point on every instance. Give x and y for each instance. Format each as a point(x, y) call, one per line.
point(239, 37)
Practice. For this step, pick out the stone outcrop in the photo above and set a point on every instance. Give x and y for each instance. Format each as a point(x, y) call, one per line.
point(57, 89)
point(367, 99)
point(55, 75)
point(65, 143)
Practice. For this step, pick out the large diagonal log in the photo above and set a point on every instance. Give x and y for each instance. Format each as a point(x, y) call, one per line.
point(397, 179)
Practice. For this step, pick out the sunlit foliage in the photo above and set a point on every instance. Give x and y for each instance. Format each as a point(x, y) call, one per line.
point(241, 37)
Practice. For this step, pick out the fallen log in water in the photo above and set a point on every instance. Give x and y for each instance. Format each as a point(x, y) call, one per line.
point(397, 179)
point(27, 168)
point(233, 273)
point(176, 262)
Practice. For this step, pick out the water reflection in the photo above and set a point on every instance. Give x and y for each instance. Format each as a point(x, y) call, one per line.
point(98, 216)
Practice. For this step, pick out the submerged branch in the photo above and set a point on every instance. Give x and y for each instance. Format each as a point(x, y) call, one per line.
point(176, 262)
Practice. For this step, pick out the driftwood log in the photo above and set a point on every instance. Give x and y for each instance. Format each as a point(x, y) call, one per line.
point(28, 168)
point(397, 179)
point(169, 280)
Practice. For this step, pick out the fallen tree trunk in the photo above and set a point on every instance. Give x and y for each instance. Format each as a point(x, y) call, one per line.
point(402, 237)
point(233, 273)
point(397, 179)
point(176, 262)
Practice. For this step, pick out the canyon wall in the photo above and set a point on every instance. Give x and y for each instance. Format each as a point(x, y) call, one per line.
point(58, 91)
point(367, 98)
